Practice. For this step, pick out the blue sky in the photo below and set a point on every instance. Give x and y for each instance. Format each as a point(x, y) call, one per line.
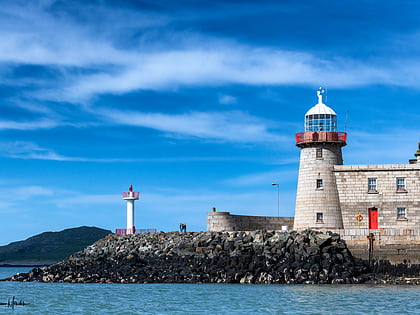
point(195, 103)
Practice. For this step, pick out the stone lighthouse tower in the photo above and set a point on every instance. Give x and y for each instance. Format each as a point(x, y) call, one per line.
point(317, 202)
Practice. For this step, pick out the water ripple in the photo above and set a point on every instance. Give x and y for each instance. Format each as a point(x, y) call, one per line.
point(64, 298)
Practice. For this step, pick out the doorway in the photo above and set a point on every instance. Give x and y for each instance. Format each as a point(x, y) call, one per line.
point(373, 218)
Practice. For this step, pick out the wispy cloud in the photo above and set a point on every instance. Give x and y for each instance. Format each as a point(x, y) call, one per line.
point(230, 63)
point(70, 201)
point(29, 125)
point(31, 151)
point(227, 99)
point(93, 62)
point(226, 126)
point(45, 34)
point(28, 150)
point(17, 192)
point(29, 192)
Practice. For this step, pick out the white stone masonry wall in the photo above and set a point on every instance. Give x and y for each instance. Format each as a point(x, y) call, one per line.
point(352, 184)
point(311, 200)
point(224, 221)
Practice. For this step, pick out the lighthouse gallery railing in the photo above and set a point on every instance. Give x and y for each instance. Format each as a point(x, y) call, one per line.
point(321, 136)
point(134, 194)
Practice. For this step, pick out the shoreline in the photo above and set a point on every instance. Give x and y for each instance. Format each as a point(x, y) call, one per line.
point(256, 257)
point(25, 265)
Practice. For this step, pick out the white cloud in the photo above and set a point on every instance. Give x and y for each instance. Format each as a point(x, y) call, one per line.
point(28, 192)
point(29, 125)
point(27, 150)
point(31, 151)
point(36, 34)
point(223, 64)
point(226, 126)
point(227, 99)
point(8, 207)
point(87, 200)
point(15, 194)
point(93, 62)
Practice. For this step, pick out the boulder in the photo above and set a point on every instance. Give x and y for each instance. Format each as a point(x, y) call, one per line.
point(308, 257)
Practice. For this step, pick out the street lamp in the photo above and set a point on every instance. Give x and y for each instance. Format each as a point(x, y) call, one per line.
point(278, 198)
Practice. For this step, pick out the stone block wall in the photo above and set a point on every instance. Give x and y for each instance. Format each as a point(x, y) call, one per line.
point(311, 199)
point(396, 245)
point(224, 221)
point(352, 185)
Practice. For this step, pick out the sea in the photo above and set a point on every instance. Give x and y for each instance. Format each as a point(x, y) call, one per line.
point(66, 298)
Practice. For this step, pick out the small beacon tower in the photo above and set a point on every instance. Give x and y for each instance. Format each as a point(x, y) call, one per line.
point(130, 196)
point(317, 201)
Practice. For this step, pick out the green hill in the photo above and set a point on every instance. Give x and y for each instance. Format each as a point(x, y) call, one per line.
point(50, 247)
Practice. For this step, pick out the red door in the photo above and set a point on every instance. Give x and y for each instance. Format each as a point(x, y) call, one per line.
point(373, 218)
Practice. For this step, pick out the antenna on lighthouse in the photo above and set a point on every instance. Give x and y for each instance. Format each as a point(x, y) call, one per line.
point(347, 118)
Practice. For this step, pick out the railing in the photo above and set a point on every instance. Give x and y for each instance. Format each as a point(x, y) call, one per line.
point(133, 231)
point(321, 136)
point(132, 194)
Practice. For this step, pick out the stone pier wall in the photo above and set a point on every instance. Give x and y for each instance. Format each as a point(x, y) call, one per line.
point(395, 245)
point(224, 221)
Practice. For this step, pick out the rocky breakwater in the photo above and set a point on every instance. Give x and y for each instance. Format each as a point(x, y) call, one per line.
point(310, 257)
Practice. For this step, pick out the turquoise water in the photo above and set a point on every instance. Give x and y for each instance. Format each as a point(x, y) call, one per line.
point(64, 298)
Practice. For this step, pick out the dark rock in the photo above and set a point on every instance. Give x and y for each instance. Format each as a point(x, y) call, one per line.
point(208, 257)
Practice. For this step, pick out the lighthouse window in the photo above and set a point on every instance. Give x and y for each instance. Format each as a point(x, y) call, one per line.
point(319, 153)
point(319, 184)
point(320, 122)
point(401, 213)
point(400, 183)
point(319, 217)
point(372, 184)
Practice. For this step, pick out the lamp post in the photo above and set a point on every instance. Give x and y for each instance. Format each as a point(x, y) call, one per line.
point(278, 198)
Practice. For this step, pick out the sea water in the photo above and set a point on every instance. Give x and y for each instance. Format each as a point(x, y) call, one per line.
point(66, 298)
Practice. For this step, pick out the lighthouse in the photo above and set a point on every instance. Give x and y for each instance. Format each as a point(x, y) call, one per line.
point(317, 200)
point(130, 196)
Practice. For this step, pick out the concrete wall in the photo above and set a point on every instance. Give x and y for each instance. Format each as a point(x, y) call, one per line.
point(352, 184)
point(224, 221)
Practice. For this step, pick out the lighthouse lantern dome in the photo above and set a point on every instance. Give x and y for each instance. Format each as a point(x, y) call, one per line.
point(320, 117)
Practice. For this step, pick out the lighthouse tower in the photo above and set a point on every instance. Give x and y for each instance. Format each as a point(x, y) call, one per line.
point(130, 196)
point(317, 202)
